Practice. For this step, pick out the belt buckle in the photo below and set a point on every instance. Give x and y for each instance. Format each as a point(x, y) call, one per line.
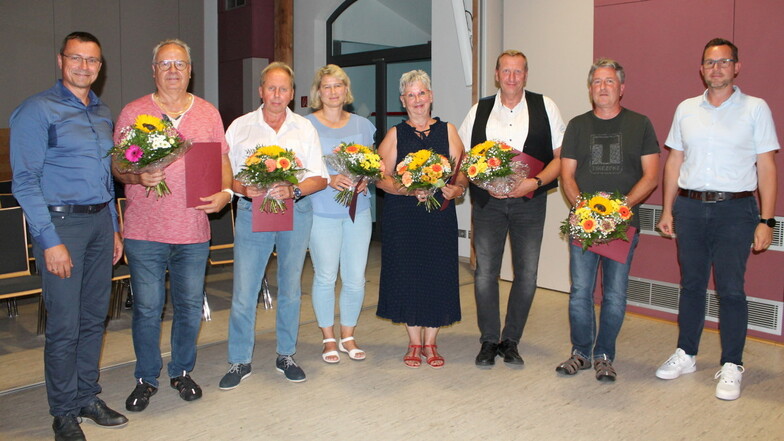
point(709, 197)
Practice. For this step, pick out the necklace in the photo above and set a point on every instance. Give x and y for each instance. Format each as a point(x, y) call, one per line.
point(172, 114)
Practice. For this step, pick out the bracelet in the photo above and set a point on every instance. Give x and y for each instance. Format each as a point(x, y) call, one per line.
point(464, 189)
point(230, 192)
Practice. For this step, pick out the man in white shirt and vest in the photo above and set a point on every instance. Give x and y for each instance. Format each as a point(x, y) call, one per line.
point(531, 123)
point(722, 145)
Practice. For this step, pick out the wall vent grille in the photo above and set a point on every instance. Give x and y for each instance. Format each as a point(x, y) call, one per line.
point(764, 314)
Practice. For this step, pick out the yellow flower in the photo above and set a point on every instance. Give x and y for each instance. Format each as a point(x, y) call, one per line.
point(252, 159)
point(600, 205)
point(583, 212)
point(270, 150)
point(149, 123)
point(481, 149)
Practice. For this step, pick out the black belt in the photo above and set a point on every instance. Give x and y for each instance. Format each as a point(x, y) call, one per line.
point(714, 196)
point(80, 209)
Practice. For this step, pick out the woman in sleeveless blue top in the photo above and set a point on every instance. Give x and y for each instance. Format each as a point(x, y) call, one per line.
point(419, 261)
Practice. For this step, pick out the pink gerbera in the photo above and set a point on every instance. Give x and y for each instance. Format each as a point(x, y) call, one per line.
point(134, 153)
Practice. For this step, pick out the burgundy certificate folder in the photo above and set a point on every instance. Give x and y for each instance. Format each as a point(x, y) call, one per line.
point(617, 250)
point(202, 172)
point(534, 167)
point(263, 221)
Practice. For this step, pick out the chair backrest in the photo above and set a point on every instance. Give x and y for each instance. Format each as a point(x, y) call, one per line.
point(8, 200)
point(13, 243)
point(222, 228)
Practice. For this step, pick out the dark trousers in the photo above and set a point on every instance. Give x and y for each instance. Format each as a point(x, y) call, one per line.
point(523, 220)
point(76, 309)
point(719, 236)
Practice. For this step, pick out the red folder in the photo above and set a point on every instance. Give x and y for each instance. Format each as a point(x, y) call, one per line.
point(262, 221)
point(534, 167)
point(202, 172)
point(617, 250)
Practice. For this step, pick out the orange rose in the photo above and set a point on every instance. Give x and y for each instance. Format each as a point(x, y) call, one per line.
point(406, 179)
point(493, 162)
point(352, 148)
point(588, 225)
point(437, 168)
point(284, 163)
point(271, 165)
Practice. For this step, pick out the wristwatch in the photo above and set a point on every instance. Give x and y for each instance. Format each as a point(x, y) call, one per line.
point(769, 222)
point(538, 181)
point(296, 192)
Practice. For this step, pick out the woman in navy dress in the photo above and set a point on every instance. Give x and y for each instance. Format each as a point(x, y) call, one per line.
point(419, 262)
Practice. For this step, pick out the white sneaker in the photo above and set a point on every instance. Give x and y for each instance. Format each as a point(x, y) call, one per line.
point(729, 377)
point(679, 363)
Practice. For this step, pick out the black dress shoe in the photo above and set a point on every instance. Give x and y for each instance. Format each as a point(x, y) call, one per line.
point(508, 350)
point(66, 428)
point(486, 356)
point(102, 415)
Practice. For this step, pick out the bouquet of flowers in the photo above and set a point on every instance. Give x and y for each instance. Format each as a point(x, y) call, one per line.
point(598, 217)
point(148, 145)
point(490, 166)
point(427, 170)
point(357, 162)
point(267, 166)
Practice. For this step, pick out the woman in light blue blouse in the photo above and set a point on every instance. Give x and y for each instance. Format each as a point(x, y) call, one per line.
point(337, 243)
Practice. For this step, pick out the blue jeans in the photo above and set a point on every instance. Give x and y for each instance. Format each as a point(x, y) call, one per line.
point(523, 220)
point(148, 262)
point(251, 254)
point(717, 235)
point(584, 267)
point(76, 309)
point(339, 244)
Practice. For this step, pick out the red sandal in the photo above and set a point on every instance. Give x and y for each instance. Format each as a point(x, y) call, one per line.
point(415, 359)
point(436, 361)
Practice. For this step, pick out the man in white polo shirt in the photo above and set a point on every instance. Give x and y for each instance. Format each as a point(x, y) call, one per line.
point(722, 148)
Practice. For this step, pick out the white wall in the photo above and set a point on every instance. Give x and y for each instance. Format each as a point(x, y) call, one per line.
point(557, 38)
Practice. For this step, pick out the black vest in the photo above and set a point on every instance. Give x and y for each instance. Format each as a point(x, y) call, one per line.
point(538, 144)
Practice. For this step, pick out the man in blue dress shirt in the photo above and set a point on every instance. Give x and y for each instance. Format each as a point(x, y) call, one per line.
point(62, 180)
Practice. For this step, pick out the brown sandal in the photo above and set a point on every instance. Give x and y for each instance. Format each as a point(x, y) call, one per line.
point(604, 369)
point(573, 364)
point(415, 359)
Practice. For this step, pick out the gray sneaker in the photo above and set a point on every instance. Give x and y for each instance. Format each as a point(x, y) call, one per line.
point(237, 372)
point(286, 365)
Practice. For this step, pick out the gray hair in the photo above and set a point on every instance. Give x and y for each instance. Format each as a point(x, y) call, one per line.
point(412, 77)
point(175, 41)
point(279, 65)
point(610, 63)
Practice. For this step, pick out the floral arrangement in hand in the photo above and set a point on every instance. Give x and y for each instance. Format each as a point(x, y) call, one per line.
point(491, 166)
point(597, 218)
point(268, 166)
point(424, 170)
point(150, 144)
point(357, 162)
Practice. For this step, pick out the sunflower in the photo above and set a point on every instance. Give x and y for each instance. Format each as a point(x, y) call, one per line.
point(148, 123)
point(270, 150)
point(601, 205)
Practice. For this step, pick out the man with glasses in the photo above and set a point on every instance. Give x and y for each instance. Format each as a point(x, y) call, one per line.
point(62, 180)
point(722, 145)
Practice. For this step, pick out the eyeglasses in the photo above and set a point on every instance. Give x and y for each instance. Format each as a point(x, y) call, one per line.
point(167, 64)
point(78, 60)
point(724, 62)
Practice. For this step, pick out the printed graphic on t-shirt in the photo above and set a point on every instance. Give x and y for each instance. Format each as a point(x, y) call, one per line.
point(606, 154)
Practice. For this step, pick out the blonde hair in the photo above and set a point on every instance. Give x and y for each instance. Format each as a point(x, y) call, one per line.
point(511, 53)
point(331, 70)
